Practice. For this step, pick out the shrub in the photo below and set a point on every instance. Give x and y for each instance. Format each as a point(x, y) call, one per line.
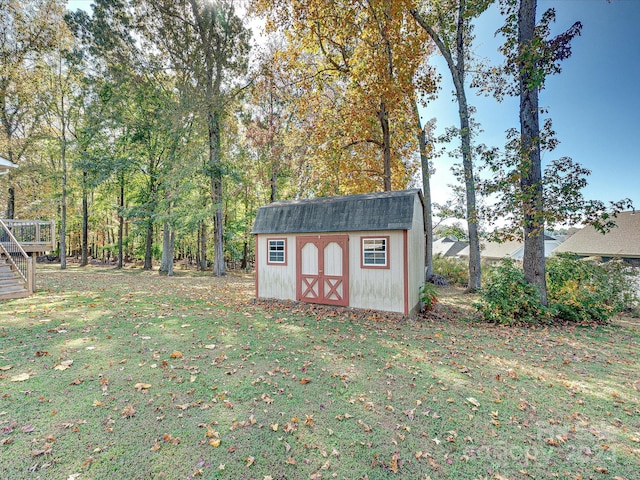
point(508, 299)
point(454, 270)
point(584, 290)
point(577, 290)
point(428, 296)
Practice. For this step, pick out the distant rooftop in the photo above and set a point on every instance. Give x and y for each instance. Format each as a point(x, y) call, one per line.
point(622, 241)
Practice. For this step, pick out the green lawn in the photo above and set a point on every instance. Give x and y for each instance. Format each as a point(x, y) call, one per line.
point(107, 374)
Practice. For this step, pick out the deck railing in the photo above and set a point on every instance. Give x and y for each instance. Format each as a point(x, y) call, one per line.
point(17, 257)
point(33, 233)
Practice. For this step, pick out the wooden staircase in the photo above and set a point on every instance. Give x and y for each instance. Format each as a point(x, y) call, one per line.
point(12, 285)
point(17, 268)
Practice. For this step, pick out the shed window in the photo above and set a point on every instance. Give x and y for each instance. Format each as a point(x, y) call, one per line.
point(375, 252)
point(277, 251)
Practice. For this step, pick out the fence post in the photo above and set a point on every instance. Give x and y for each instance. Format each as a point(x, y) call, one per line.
point(31, 274)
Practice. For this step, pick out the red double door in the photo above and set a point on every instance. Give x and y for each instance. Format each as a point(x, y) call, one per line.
point(322, 269)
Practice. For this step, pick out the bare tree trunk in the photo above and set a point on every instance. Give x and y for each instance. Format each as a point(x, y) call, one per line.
point(63, 199)
point(166, 265)
point(457, 68)
point(203, 246)
point(426, 191)
point(172, 245)
point(148, 246)
point(85, 223)
point(531, 168)
point(121, 223)
point(470, 194)
point(383, 116)
point(274, 184)
point(216, 193)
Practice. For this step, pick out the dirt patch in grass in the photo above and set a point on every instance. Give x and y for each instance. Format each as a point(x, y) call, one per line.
point(112, 374)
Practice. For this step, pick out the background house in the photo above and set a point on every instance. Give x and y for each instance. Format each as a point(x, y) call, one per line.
point(622, 242)
point(448, 246)
point(513, 249)
point(363, 251)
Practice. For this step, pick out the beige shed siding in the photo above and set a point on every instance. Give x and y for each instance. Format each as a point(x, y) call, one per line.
point(276, 281)
point(415, 255)
point(377, 288)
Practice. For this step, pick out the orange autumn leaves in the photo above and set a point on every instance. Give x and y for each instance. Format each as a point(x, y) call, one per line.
point(360, 66)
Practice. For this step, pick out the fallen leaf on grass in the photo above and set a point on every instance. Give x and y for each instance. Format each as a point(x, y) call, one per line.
point(214, 442)
point(4, 368)
point(170, 439)
point(250, 461)
point(6, 441)
point(20, 378)
point(77, 381)
point(142, 386)
point(473, 401)
point(366, 427)
point(63, 365)
point(45, 450)
point(98, 403)
point(394, 467)
point(304, 381)
point(601, 469)
point(176, 354)
point(128, 411)
point(210, 347)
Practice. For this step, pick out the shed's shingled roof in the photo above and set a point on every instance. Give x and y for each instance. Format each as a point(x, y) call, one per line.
point(622, 241)
point(365, 212)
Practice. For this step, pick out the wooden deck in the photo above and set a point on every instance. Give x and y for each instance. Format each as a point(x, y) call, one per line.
point(35, 236)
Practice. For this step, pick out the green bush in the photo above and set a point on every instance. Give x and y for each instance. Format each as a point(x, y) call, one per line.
point(577, 291)
point(584, 290)
point(454, 270)
point(508, 299)
point(428, 296)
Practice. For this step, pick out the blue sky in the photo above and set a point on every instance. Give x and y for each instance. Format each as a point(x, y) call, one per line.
point(594, 103)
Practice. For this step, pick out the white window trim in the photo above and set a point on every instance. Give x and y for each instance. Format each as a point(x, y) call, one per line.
point(363, 251)
point(270, 251)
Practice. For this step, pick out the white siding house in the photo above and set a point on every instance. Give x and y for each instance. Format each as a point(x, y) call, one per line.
point(362, 251)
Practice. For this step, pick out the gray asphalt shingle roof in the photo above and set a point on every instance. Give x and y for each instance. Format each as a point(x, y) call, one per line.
point(622, 241)
point(364, 212)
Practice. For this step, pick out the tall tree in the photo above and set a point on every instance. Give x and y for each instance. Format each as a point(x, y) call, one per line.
point(528, 197)
point(28, 30)
point(208, 40)
point(449, 25)
point(356, 62)
point(531, 55)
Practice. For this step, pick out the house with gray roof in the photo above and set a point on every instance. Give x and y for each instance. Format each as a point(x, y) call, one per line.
point(513, 249)
point(622, 242)
point(448, 246)
point(361, 251)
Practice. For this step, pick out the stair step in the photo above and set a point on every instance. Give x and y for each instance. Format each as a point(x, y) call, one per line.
point(10, 281)
point(12, 295)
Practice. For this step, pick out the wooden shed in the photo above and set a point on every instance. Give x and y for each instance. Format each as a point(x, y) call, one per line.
point(362, 251)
